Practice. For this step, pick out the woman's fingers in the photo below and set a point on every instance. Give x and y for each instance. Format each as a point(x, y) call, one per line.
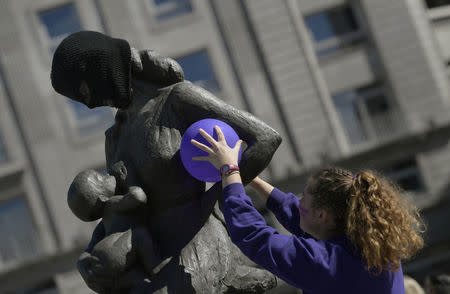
point(208, 137)
point(220, 136)
point(201, 158)
point(201, 146)
point(238, 145)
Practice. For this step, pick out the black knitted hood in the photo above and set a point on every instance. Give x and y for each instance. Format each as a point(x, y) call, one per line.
point(99, 62)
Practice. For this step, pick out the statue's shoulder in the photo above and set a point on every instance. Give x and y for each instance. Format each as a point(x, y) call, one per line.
point(183, 86)
point(184, 90)
point(188, 92)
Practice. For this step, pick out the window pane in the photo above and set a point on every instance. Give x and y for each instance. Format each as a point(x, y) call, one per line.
point(381, 116)
point(48, 287)
point(198, 69)
point(334, 23)
point(3, 153)
point(366, 114)
point(166, 9)
point(377, 105)
point(407, 175)
point(19, 240)
point(346, 105)
point(59, 23)
point(91, 120)
point(441, 30)
point(437, 3)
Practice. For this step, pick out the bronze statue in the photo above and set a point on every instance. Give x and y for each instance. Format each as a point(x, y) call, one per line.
point(191, 251)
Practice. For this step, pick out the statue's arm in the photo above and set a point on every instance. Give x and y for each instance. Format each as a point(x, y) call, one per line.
point(90, 267)
point(134, 199)
point(193, 103)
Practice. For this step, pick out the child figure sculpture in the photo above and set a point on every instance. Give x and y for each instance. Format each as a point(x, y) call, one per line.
point(126, 241)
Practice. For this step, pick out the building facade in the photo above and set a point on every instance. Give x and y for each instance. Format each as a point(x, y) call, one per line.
point(359, 84)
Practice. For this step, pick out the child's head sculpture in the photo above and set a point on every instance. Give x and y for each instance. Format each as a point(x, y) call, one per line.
point(88, 194)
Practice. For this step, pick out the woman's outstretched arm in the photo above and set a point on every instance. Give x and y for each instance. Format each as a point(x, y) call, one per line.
point(262, 188)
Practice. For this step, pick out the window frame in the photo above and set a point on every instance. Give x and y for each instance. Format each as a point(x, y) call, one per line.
point(436, 16)
point(4, 114)
point(437, 13)
point(367, 124)
point(46, 286)
point(404, 173)
point(421, 175)
point(156, 9)
point(8, 129)
point(11, 193)
point(4, 153)
point(149, 8)
point(337, 44)
point(436, 7)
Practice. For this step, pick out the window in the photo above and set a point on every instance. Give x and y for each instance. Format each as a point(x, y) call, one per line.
point(407, 175)
point(3, 153)
point(48, 287)
point(19, 240)
point(365, 114)
point(198, 69)
point(441, 30)
point(91, 120)
point(333, 29)
point(60, 22)
point(166, 9)
point(436, 3)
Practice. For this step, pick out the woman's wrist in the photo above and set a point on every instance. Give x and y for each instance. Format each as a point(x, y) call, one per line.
point(231, 173)
point(231, 178)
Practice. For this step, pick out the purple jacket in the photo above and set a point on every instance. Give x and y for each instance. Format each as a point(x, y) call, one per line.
point(316, 266)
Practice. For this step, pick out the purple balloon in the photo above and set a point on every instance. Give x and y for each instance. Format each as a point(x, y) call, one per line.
point(204, 170)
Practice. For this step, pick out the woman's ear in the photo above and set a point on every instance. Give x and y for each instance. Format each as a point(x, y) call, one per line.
point(324, 216)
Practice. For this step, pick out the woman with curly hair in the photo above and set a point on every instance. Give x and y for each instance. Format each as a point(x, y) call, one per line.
point(350, 232)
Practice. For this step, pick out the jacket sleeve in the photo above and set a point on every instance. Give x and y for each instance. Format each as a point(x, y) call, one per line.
point(285, 208)
point(301, 262)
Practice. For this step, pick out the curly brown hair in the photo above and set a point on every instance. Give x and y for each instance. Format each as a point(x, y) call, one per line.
point(382, 225)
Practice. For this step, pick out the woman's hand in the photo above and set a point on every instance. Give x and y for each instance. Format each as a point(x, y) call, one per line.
point(219, 152)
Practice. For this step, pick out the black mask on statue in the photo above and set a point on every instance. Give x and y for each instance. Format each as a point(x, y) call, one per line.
point(93, 69)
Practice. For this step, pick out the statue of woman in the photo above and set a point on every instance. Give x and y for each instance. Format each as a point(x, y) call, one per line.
point(155, 107)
